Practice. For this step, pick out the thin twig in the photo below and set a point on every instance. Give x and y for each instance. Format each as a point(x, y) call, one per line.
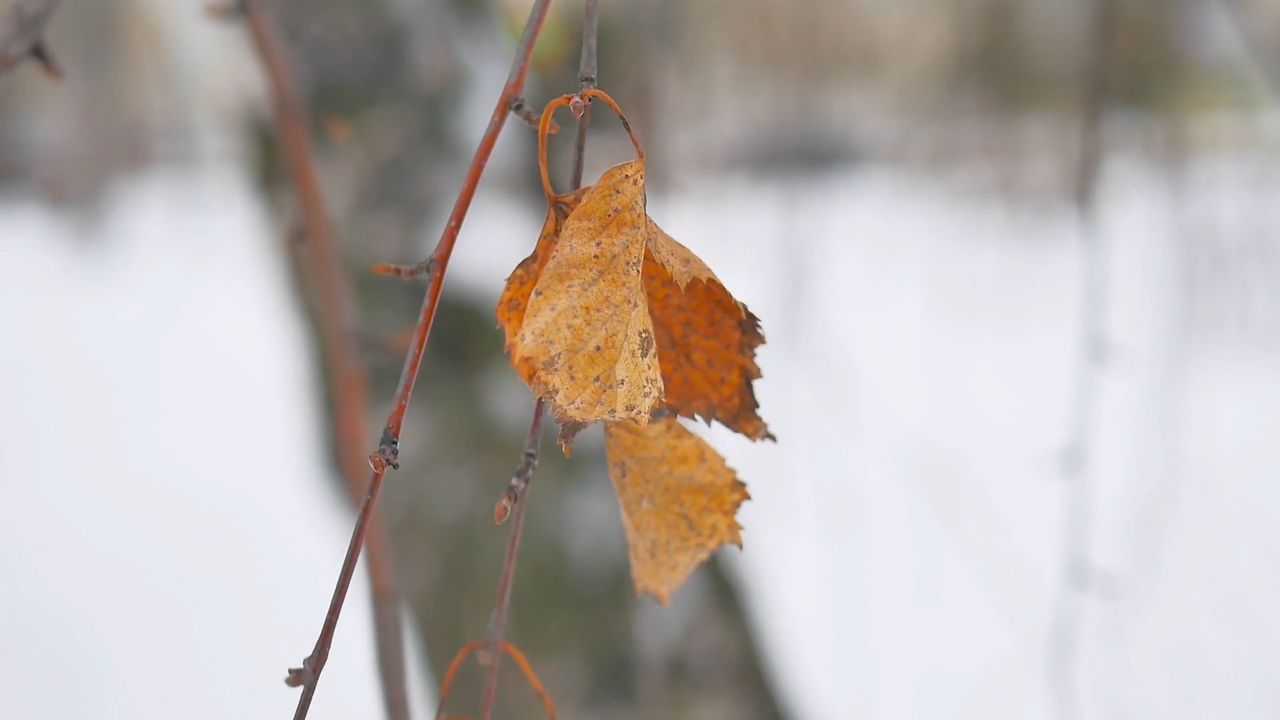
point(512, 496)
point(404, 272)
point(1063, 665)
point(520, 108)
point(587, 73)
point(388, 450)
point(22, 35)
point(515, 497)
point(347, 374)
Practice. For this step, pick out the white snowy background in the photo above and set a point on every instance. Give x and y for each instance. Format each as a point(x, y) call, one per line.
point(166, 547)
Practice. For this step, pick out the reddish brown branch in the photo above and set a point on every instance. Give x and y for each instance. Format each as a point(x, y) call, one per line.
point(347, 375)
point(515, 497)
point(22, 35)
point(444, 248)
point(386, 456)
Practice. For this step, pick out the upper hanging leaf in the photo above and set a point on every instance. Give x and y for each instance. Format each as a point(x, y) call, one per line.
point(586, 334)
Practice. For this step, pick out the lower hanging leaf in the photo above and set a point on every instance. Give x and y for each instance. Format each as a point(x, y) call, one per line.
point(678, 499)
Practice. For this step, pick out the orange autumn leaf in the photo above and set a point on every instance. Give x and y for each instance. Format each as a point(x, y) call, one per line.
point(610, 319)
point(515, 295)
point(586, 338)
point(678, 498)
point(706, 339)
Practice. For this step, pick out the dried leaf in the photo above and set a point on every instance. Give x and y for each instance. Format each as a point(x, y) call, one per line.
point(520, 283)
point(706, 339)
point(586, 340)
point(678, 500)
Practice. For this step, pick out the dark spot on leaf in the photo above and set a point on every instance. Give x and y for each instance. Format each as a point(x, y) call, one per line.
point(646, 343)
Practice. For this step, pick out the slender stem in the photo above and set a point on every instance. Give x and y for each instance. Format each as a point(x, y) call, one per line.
point(444, 248)
point(347, 374)
point(587, 73)
point(387, 453)
point(22, 31)
point(515, 496)
point(574, 102)
point(516, 493)
point(308, 676)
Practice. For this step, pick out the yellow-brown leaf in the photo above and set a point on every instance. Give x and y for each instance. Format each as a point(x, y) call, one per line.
point(520, 283)
point(586, 335)
point(678, 500)
point(706, 339)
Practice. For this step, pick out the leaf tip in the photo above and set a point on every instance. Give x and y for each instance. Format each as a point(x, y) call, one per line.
point(660, 596)
point(569, 430)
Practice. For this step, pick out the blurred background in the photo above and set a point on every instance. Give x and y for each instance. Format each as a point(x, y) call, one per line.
point(1016, 262)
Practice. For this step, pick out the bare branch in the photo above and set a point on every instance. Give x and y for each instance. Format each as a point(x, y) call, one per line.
point(587, 72)
point(347, 375)
point(404, 272)
point(387, 454)
point(515, 497)
point(22, 35)
point(524, 471)
point(520, 108)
